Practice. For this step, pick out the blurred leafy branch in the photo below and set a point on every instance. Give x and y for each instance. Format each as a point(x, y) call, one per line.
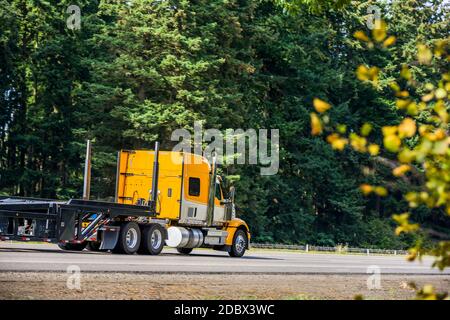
point(418, 145)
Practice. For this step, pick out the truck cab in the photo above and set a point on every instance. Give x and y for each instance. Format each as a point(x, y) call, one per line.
point(190, 198)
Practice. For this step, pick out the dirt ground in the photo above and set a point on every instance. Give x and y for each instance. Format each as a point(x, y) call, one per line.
point(46, 285)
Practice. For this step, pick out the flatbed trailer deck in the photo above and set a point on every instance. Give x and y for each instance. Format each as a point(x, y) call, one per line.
point(73, 221)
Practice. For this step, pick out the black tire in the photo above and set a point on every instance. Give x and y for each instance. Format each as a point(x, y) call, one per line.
point(184, 250)
point(153, 239)
point(239, 244)
point(72, 246)
point(93, 246)
point(130, 244)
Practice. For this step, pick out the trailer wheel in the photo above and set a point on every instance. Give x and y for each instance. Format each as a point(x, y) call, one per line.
point(239, 244)
point(184, 250)
point(129, 238)
point(93, 246)
point(72, 246)
point(153, 239)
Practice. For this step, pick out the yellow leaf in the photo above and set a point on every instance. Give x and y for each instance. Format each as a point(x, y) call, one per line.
point(360, 35)
point(405, 73)
point(316, 124)
point(394, 86)
point(358, 143)
point(439, 134)
point(401, 218)
point(342, 128)
point(366, 129)
point(440, 93)
point(423, 129)
point(366, 189)
point(428, 97)
point(388, 130)
point(428, 289)
point(440, 147)
point(407, 128)
point(401, 104)
point(374, 149)
point(381, 191)
point(320, 105)
point(401, 170)
point(392, 143)
point(429, 86)
point(441, 110)
point(424, 54)
point(389, 41)
point(406, 156)
point(412, 109)
point(373, 73)
point(412, 253)
point(404, 225)
point(402, 94)
point(362, 73)
point(439, 48)
point(379, 32)
point(337, 142)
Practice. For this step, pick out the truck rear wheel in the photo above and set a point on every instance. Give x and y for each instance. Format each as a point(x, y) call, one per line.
point(129, 238)
point(239, 244)
point(72, 246)
point(152, 239)
point(184, 250)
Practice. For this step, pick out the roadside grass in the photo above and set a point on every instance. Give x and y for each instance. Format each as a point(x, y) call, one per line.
point(244, 297)
point(300, 296)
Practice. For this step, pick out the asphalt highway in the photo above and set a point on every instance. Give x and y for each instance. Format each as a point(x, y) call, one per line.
point(48, 257)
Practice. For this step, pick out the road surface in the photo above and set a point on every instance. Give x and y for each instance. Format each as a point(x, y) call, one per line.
point(48, 257)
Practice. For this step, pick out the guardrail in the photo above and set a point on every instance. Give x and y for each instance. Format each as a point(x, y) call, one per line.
point(336, 249)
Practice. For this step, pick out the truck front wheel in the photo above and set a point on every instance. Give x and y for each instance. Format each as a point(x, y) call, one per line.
point(184, 250)
point(129, 238)
point(239, 244)
point(153, 239)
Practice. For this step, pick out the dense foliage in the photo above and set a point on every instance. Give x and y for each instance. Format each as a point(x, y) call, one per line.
point(137, 70)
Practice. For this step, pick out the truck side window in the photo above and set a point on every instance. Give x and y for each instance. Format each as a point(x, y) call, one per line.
point(218, 193)
point(194, 187)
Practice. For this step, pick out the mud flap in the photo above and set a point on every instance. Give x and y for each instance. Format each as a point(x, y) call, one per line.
point(67, 225)
point(110, 236)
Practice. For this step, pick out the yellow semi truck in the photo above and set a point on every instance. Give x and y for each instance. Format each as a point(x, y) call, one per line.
point(162, 198)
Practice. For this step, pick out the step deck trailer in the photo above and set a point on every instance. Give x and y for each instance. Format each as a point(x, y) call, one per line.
point(74, 221)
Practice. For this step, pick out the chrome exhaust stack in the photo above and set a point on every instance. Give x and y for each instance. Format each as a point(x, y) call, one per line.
point(87, 172)
point(211, 193)
point(155, 176)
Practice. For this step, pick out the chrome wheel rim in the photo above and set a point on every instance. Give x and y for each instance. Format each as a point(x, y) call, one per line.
point(131, 238)
point(240, 243)
point(156, 239)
